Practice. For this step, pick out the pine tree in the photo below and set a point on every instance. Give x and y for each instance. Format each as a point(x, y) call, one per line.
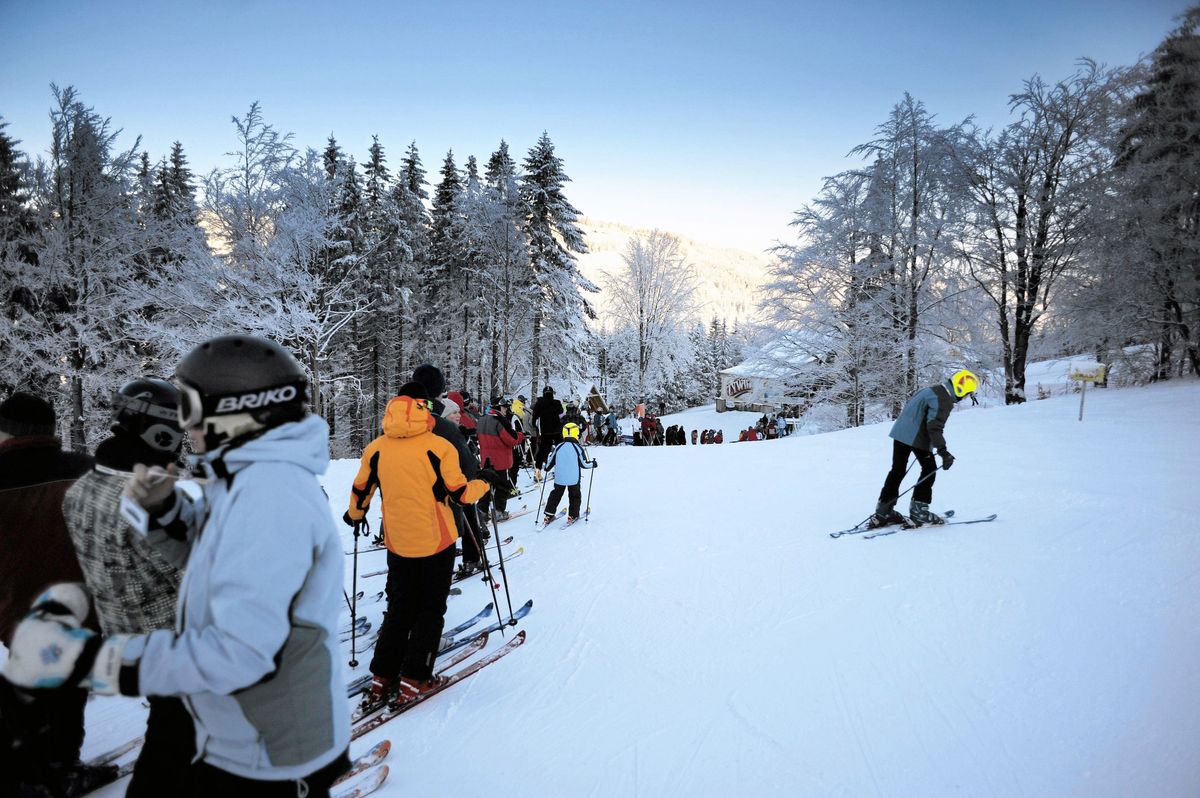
point(413, 270)
point(553, 239)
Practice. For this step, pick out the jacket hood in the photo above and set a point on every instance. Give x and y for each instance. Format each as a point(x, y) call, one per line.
point(407, 417)
point(304, 443)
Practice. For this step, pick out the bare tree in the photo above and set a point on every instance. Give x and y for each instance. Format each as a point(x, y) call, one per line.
point(653, 296)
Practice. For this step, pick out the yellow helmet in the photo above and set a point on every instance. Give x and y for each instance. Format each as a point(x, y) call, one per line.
point(571, 430)
point(964, 382)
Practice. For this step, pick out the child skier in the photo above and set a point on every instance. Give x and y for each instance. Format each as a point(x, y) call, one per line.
point(567, 459)
point(918, 430)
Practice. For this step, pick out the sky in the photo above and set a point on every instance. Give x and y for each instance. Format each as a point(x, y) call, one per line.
point(716, 121)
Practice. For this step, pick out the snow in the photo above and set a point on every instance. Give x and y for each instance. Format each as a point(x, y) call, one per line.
point(702, 635)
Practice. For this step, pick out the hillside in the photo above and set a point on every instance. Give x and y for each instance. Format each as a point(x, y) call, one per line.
point(728, 279)
point(701, 634)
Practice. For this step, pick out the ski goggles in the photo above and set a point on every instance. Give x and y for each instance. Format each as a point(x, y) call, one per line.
point(191, 406)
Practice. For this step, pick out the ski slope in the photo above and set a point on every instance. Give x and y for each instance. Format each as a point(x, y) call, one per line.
point(702, 635)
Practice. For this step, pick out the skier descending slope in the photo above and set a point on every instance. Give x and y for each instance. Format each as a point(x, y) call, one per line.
point(255, 654)
point(418, 474)
point(919, 429)
point(567, 459)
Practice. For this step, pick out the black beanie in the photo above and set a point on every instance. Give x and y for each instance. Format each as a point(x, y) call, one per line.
point(25, 414)
point(431, 377)
point(414, 389)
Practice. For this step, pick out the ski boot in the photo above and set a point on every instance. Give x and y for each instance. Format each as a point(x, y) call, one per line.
point(80, 778)
point(411, 689)
point(547, 518)
point(920, 514)
point(379, 692)
point(537, 475)
point(502, 515)
point(885, 515)
point(570, 521)
point(467, 569)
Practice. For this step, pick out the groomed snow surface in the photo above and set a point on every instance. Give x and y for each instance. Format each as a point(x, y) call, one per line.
point(702, 635)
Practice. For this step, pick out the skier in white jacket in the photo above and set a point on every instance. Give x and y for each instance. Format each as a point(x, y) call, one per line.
point(255, 649)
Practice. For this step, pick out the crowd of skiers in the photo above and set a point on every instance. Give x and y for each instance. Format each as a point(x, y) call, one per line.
point(216, 591)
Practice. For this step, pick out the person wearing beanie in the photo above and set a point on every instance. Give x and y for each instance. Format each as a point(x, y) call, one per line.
point(134, 587)
point(430, 378)
point(449, 424)
point(40, 738)
point(419, 476)
point(547, 420)
point(497, 439)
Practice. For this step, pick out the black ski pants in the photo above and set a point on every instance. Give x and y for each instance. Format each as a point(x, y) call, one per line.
point(923, 492)
point(546, 444)
point(205, 781)
point(162, 766)
point(417, 589)
point(573, 499)
point(470, 535)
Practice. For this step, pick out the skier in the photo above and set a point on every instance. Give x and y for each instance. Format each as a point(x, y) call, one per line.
point(255, 647)
point(41, 732)
point(497, 439)
point(448, 424)
point(133, 586)
point(920, 429)
point(567, 460)
point(613, 428)
point(547, 420)
point(418, 475)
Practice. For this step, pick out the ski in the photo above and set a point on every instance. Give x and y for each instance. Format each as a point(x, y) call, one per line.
point(865, 527)
point(476, 666)
point(367, 786)
point(521, 612)
point(108, 757)
point(361, 629)
point(900, 527)
point(444, 664)
point(557, 516)
point(360, 622)
point(360, 684)
point(483, 574)
point(523, 511)
point(370, 759)
point(505, 542)
point(467, 624)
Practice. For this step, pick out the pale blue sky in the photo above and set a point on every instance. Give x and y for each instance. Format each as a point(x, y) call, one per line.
point(714, 120)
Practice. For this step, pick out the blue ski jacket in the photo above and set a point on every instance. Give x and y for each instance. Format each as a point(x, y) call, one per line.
point(567, 459)
point(922, 422)
point(255, 652)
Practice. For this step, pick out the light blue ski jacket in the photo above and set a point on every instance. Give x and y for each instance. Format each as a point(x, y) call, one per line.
point(568, 458)
point(255, 651)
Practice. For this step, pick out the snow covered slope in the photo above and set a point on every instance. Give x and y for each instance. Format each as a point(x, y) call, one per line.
point(702, 635)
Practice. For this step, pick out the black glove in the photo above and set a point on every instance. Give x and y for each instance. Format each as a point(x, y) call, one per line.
point(947, 459)
point(595, 463)
point(361, 527)
point(347, 520)
point(498, 481)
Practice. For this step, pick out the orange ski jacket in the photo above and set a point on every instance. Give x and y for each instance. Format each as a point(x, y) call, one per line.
point(418, 475)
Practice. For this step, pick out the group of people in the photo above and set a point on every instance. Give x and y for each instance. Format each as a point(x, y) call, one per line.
point(435, 492)
point(216, 592)
point(709, 436)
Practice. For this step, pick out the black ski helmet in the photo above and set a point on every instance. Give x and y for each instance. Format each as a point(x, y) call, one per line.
point(148, 409)
point(236, 385)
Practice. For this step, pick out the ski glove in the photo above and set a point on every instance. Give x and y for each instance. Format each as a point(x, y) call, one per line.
point(947, 459)
point(51, 649)
point(498, 481)
point(595, 463)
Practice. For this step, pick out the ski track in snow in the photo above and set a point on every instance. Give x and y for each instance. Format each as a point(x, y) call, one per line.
point(703, 636)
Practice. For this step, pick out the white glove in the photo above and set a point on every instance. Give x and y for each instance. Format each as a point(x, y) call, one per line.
point(151, 486)
point(50, 649)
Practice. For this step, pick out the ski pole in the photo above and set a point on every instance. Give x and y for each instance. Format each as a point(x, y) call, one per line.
point(537, 513)
point(587, 507)
point(872, 515)
point(503, 574)
point(360, 527)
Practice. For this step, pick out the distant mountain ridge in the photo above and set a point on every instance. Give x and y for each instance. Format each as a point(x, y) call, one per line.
point(728, 280)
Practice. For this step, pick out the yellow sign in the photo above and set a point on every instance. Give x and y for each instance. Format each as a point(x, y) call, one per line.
point(1087, 372)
